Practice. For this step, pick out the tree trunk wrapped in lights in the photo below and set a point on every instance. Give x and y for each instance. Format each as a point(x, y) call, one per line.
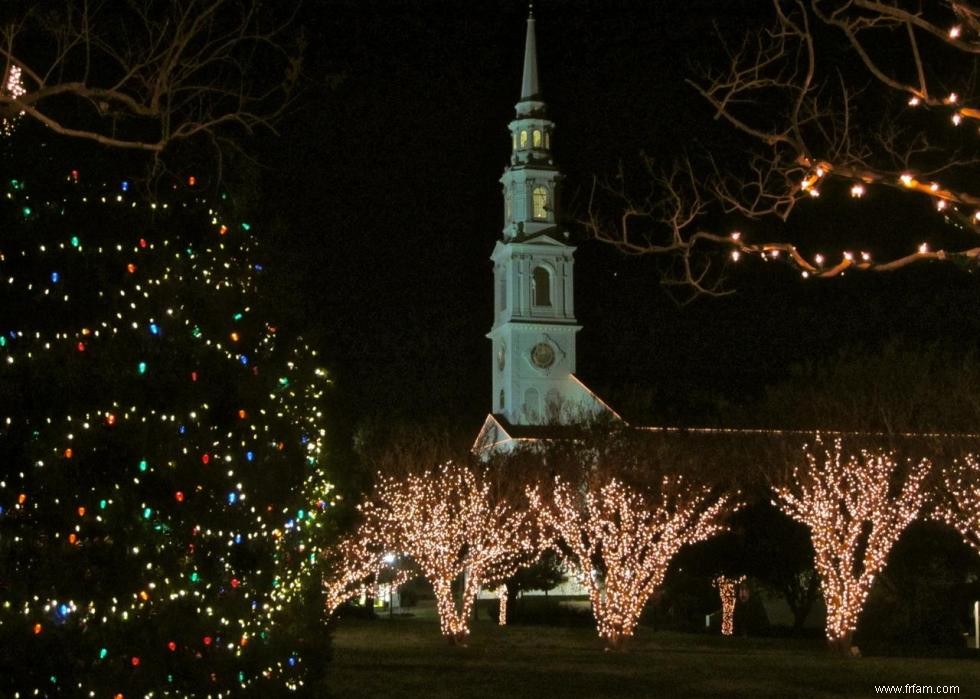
point(960, 504)
point(502, 599)
point(728, 591)
point(450, 525)
point(856, 506)
point(621, 539)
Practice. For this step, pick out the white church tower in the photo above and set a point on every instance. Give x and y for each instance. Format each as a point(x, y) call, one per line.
point(534, 323)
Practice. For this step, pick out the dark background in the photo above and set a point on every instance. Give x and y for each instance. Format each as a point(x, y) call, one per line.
point(383, 206)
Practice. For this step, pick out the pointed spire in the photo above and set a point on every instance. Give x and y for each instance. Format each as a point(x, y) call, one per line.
point(529, 86)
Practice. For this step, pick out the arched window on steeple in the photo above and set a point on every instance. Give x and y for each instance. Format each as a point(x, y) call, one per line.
point(536, 140)
point(541, 286)
point(513, 138)
point(539, 198)
point(523, 138)
point(547, 140)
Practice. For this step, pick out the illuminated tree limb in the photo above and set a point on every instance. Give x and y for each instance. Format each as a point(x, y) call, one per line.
point(799, 119)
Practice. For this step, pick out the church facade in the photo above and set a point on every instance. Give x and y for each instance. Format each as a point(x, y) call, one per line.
point(534, 327)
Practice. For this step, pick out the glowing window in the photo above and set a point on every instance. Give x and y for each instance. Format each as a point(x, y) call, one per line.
point(541, 286)
point(513, 138)
point(523, 138)
point(507, 206)
point(540, 197)
point(537, 138)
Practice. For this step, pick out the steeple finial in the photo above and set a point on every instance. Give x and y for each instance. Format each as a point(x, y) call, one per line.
point(529, 86)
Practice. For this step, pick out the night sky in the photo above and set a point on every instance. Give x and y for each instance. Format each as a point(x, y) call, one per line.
point(384, 205)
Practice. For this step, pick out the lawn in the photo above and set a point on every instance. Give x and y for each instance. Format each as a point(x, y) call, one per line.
point(408, 658)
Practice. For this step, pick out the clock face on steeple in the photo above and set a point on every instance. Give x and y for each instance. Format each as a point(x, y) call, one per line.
point(543, 355)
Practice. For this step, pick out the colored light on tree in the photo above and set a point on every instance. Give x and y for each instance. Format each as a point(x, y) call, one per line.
point(147, 557)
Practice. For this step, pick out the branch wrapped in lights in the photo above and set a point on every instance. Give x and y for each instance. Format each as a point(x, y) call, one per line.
point(12, 88)
point(800, 117)
point(959, 504)
point(359, 565)
point(856, 506)
point(449, 523)
point(621, 539)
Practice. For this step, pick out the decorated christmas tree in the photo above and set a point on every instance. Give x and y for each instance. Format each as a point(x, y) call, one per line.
point(155, 427)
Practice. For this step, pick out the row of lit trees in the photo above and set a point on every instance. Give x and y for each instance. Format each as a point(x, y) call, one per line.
point(618, 522)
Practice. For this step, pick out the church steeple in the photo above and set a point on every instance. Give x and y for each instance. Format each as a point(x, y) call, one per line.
point(534, 323)
point(529, 86)
point(534, 316)
point(532, 180)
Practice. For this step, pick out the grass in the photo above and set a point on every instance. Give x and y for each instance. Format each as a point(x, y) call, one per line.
point(406, 657)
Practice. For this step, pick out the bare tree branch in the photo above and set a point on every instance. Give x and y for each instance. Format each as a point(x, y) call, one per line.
point(806, 122)
point(143, 75)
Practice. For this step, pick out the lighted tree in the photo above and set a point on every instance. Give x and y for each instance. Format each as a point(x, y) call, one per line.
point(856, 506)
point(896, 115)
point(621, 539)
point(450, 523)
point(959, 504)
point(359, 564)
point(157, 422)
point(728, 592)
